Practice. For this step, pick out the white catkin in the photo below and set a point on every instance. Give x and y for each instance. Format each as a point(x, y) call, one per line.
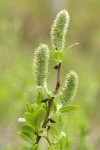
point(40, 65)
point(69, 89)
point(59, 29)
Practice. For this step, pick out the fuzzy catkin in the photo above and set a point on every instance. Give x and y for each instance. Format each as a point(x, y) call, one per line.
point(70, 88)
point(40, 65)
point(59, 29)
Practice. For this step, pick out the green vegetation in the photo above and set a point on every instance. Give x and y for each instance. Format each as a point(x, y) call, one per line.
point(25, 23)
point(39, 116)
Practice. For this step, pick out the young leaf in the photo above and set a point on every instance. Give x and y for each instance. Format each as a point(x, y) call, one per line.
point(29, 107)
point(54, 132)
point(62, 122)
point(51, 148)
point(26, 136)
point(27, 129)
point(62, 142)
point(39, 116)
point(54, 107)
point(68, 108)
point(29, 117)
point(40, 96)
point(34, 147)
point(58, 55)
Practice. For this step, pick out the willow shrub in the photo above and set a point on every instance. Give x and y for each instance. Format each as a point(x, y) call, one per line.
point(47, 117)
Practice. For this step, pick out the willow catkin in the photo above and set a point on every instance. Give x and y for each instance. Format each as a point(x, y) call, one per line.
point(59, 29)
point(40, 65)
point(69, 89)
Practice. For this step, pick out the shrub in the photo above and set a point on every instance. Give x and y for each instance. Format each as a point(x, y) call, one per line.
point(47, 117)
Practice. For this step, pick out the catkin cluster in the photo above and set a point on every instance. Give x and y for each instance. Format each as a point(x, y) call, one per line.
point(41, 59)
point(37, 119)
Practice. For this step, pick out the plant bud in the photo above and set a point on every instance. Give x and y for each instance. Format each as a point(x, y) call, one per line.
point(45, 100)
point(70, 88)
point(59, 29)
point(52, 121)
point(41, 60)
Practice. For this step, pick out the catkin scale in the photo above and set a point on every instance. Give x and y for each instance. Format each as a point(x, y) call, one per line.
point(59, 29)
point(40, 65)
point(69, 89)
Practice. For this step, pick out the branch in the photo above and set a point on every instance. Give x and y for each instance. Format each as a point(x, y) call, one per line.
point(48, 112)
point(38, 139)
point(58, 78)
point(48, 141)
point(50, 102)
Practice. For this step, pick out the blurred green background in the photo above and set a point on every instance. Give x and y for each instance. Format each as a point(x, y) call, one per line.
point(24, 24)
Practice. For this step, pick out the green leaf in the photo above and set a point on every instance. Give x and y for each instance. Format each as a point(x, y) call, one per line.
point(26, 136)
point(54, 132)
point(54, 107)
point(51, 148)
point(27, 129)
point(29, 107)
point(67, 142)
point(68, 108)
point(40, 96)
point(34, 147)
point(61, 122)
point(39, 116)
point(62, 142)
point(29, 117)
point(36, 107)
point(58, 55)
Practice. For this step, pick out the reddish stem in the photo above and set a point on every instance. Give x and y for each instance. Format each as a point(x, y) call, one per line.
point(50, 102)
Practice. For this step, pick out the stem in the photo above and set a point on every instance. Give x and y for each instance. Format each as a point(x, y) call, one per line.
point(58, 78)
point(50, 102)
point(47, 113)
point(37, 139)
point(48, 141)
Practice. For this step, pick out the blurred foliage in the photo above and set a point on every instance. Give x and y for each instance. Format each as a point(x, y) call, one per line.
point(23, 24)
